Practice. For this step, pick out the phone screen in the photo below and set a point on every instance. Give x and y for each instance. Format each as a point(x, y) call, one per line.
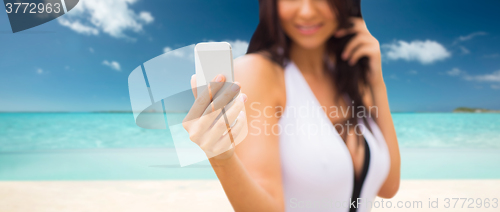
point(211, 62)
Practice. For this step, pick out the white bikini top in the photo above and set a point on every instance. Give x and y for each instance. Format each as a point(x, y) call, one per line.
point(317, 168)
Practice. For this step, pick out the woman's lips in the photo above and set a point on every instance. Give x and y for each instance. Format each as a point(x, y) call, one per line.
point(308, 29)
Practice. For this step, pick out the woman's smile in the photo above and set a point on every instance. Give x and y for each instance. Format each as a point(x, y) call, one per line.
point(308, 29)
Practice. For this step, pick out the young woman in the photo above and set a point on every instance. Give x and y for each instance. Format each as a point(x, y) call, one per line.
point(304, 55)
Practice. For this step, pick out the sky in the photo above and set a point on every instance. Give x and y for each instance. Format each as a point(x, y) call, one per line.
point(437, 55)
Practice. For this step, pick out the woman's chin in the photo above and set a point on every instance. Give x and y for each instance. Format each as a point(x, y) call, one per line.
point(311, 44)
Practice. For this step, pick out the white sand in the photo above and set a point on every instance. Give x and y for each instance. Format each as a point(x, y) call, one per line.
point(200, 195)
point(422, 190)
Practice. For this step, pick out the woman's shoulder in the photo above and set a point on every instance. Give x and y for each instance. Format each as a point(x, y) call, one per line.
point(259, 75)
point(258, 63)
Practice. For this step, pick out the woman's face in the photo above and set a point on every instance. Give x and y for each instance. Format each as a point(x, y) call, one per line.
point(309, 23)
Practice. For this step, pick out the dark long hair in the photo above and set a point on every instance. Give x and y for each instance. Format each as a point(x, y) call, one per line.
point(269, 37)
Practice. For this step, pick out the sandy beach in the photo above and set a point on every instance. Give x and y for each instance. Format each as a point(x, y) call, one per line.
point(206, 195)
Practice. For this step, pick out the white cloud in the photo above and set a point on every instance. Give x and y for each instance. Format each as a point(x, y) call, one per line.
point(484, 78)
point(167, 49)
point(78, 27)
point(239, 47)
point(455, 72)
point(425, 52)
point(113, 64)
point(468, 37)
point(112, 17)
point(493, 77)
point(464, 50)
point(39, 71)
point(181, 52)
point(146, 17)
point(91, 50)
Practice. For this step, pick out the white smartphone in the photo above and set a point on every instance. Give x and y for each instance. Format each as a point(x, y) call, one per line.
point(211, 59)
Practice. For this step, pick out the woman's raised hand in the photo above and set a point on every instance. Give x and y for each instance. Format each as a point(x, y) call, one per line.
point(363, 45)
point(216, 134)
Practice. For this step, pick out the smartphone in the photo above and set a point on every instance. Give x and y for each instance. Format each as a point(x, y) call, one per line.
point(211, 59)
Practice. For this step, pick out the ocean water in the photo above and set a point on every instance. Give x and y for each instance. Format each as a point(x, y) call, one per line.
point(56, 131)
point(109, 146)
point(448, 130)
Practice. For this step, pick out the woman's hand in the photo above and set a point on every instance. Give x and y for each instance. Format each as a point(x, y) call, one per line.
point(214, 138)
point(363, 44)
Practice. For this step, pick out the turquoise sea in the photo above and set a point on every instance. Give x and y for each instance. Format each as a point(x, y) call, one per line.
point(109, 146)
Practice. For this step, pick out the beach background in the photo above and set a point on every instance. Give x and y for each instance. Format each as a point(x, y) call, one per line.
point(104, 162)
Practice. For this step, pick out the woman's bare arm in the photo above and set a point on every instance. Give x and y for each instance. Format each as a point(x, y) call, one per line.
point(251, 178)
point(378, 98)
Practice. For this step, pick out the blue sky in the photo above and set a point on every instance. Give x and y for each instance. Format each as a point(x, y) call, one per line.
point(437, 55)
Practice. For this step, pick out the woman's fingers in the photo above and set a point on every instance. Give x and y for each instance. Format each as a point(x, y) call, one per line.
point(202, 101)
point(224, 98)
point(353, 44)
point(359, 53)
point(231, 114)
point(214, 109)
point(238, 129)
point(238, 133)
point(221, 125)
point(206, 124)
